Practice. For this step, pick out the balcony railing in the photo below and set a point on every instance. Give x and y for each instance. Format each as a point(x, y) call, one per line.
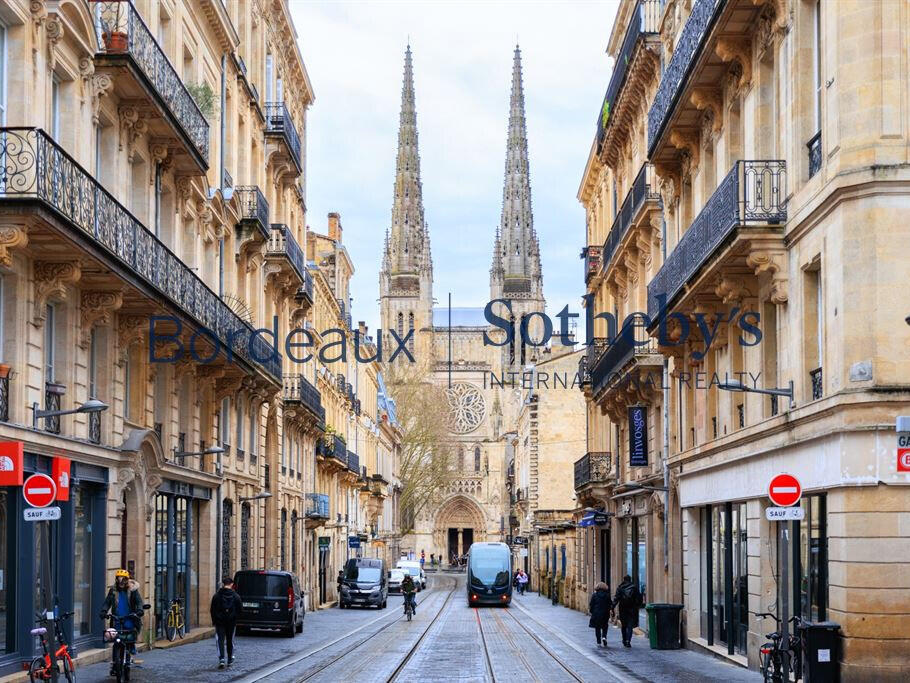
point(306, 289)
point(298, 388)
point(282, 241)
point(94, 427)
point(121, 31)
point(592, 467)
point(4, 399)
point(644, 188)
point(645, 21)
point(752, 192)
point(818, 388)
point(353, 462)
point(592, 256)
point(620, 352)
point(317, 505)
point(278, 122)
point(591, 358)
point(35, 167)
point(685, 55)
point(815, 153)
point(52, 394)
point(254, 208)
point(339, 449)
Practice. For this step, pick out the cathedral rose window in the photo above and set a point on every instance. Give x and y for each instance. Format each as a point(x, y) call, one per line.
point(466, 407)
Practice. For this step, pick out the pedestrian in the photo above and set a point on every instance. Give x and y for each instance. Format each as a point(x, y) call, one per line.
point(600, 607)
point(423, 558)
point(628, 598)
point(432, 559)
point(225, 609)
point(522, 581)
point(124, 601)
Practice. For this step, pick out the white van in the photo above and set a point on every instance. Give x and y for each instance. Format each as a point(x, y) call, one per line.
point(412, 567)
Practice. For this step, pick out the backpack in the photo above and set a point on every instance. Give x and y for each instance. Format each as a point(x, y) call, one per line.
point(225, 606)
point(629, 596)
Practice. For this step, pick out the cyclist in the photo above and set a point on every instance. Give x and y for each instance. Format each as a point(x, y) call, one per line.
point(409, 591)
point(123, 599)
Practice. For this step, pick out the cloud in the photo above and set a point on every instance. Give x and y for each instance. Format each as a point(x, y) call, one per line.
point(462, 68)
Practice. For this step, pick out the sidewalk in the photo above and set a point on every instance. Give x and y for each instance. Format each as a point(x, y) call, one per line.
point(557, 621)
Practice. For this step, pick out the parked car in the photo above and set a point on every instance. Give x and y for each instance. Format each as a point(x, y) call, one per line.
point(269, 599)
point(413, 568)
point(363, 582)
point(395, 578)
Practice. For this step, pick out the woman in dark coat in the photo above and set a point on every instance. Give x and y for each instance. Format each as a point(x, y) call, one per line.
point(628, 598)
point(600, 607)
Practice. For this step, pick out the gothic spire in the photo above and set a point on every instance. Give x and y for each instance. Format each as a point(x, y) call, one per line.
point(516, 254)
point(407, 248)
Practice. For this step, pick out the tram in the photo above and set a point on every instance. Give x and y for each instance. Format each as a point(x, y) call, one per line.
point(489, 574)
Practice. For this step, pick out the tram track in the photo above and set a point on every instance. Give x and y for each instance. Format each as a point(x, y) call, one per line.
point(267, 673)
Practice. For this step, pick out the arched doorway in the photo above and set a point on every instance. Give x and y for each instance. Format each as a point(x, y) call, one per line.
point(459, 522)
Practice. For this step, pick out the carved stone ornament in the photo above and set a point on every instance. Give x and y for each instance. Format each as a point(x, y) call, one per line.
point(130, 329)
point(51, 282)
point(710, 100)
point(11, 237)
point(687, 143)
point(731, 290)
point(132, 128)
point(772, 263)
point(54, 28)
point(96, 308)
point(739, 51)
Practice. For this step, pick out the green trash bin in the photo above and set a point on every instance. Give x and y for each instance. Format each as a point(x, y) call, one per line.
point(663, 625)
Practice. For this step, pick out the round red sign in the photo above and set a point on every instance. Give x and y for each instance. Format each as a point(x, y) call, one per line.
point(785, 490)
point(39, 490)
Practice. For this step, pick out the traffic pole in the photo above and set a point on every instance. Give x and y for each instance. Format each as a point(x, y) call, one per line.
point(783, 545)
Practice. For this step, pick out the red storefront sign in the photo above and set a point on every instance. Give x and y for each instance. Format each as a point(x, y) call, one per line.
point(60, 471)
point(11, 463)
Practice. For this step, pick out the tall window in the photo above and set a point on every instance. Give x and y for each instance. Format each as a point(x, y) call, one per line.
point(725, 594)
point(477, 458)
point(279, 90)
point(269, 68)
point(813, 326)
point(50, 344)
point(411, 330)
point(221, 267)
point(240, 427)
point(810, 583)
point(55, 108)
point(284, 462)
point(225, 420)
point(127, 385)
point(93, 364)
point(254, 431)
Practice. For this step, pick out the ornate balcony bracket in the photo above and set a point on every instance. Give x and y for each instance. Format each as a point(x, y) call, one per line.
point(97, 308)
point(740, 51)
point(51, 282)
point(766, 260)
point(11, 237)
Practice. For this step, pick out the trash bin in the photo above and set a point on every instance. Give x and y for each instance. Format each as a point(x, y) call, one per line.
point(821, 651)
point(663, 625)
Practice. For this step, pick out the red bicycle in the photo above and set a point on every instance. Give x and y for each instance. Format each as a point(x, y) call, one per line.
point(41, 668)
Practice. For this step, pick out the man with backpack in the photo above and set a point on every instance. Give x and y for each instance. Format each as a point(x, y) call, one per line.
point(628, 598)
point(225, 610)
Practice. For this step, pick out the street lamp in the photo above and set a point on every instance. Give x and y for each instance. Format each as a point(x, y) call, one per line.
point(93, 405)
point(213, 450)
point(641, 487)
point(258, 496)
point(736, 385)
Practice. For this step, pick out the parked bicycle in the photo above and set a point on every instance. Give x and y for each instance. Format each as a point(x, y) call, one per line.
point(772, 652)
point(175, 624)
point(42, 668)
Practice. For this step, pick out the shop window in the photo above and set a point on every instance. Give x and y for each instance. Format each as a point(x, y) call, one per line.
point(8, 519)
point(284, 538)
point(724, 570)
point(811, 560)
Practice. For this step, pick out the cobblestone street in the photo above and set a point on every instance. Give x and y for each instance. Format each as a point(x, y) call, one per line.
point(530, 641)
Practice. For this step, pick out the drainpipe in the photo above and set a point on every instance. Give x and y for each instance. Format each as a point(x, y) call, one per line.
point(666, 430)
point(223, 122)
point(218, 515)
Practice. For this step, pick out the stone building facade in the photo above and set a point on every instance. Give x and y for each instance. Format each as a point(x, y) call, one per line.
point(773, 144)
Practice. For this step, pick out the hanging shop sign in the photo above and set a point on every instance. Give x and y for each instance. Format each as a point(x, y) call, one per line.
point(638, 436)
point(11, 463)
point(60, 471)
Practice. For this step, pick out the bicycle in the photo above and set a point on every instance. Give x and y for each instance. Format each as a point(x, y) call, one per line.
point(408, 607)
point(772, 654)
point(41, 668)
point(123, 640)
point(175, 624)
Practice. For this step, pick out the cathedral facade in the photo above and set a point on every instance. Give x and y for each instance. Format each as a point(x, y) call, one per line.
point(449, 343)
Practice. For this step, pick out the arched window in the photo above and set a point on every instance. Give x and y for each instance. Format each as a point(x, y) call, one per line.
point(411, 329)
point(512, 345)
point(245, 536)
point(284, 538)
point(293, 566)
point(401, 325)
point(227, 518)
point(477, 458)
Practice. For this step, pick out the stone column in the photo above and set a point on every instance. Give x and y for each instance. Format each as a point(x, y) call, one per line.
point(460, 542)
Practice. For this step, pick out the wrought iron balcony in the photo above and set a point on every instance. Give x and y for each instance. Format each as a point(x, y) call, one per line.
point(282, 243)
point(353, 462)
point(36, 168)
point(644, 188)
point(818, 388)
point(339, 449)
point(254, 209)
point(688, 48)
point(632, 341)
point(4, 399)
point(94, 427)
point(592, 256)
point(815, 153)
point(317, 505)
point(340, 383)
point(593, 467)
point(753, 192)
point(306, 289)
point(52, 394)
point(645, 21)
point(124, 38)
point(278, 122)
point(297, 389)
point(591, 357)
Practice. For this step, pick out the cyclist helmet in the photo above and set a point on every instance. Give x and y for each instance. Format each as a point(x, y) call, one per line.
point(121, 573)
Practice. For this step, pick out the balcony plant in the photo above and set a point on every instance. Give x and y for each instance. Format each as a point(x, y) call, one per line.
point(204, 96)
point(115, 39)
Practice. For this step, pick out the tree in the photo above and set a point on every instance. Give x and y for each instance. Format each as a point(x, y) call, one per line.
point(426, 460)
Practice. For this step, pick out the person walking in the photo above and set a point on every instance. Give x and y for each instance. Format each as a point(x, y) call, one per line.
point(225, 609)
point(628, 599)
point(600, 607)
point(522, 581)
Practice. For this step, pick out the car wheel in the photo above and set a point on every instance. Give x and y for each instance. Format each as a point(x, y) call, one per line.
point(292, 629)
point(385, 603)
point(340, 605)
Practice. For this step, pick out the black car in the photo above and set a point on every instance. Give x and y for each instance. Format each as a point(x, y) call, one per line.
point(363, 581)
point(269, 599)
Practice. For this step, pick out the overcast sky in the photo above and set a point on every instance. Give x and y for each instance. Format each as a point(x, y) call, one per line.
point(462, 53)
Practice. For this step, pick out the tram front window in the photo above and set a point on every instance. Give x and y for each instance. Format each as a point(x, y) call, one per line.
point(489, 568)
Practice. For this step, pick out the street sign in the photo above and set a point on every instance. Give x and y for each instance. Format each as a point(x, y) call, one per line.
point(785, 490)
point(903, 451)
point(520, 540)
point(325, 541)
point(39, 490)
point(40, 514)
point(353, 541)
point(784, 514)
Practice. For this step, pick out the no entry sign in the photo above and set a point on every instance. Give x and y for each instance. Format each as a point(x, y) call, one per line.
point(784, 490)
point(39, 490)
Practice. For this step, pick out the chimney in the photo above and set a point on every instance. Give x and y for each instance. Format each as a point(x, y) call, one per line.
point(335, 227)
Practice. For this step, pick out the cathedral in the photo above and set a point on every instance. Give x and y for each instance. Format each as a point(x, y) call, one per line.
point(450, 342)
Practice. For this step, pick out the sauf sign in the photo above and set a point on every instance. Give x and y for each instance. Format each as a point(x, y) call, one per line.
point(638, 436)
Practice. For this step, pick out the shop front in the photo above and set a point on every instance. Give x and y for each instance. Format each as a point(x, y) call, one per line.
point(52, 563)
